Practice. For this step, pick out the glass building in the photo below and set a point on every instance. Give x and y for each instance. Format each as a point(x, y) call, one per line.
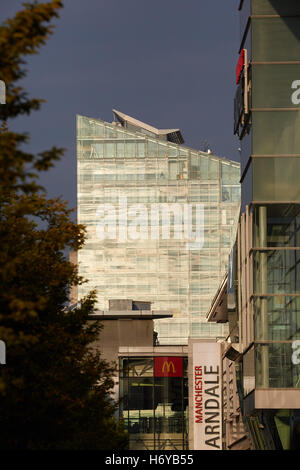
point(267, 113)
point(161, 219)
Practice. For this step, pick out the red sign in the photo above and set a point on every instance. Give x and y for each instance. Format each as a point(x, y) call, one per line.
point(240, 66)
point(168, 366)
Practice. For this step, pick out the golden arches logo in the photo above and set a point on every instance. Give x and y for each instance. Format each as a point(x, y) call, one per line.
point(167, 365)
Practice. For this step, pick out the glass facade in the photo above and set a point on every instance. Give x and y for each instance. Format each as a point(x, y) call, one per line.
point(161, 219)
point(274, 7)
point(275, 39)
point(276, 289)
point(154, 402)
point(270, 34)
point(282, 226)
point(268, 251)
point(270, 164)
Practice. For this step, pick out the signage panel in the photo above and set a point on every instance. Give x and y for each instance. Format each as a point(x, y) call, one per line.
point(240, 67)
point(206, 399)
point(241, 100)
point(168, 366)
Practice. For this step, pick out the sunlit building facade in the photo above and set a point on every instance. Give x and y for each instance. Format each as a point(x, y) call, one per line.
point(267, 112)
point(161, 219)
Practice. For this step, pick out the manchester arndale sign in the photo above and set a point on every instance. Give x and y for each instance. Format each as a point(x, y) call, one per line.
point(205, 394)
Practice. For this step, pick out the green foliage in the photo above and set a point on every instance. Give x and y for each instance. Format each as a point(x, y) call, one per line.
point(55, 390)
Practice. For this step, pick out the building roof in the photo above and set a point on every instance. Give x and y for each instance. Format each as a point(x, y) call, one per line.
point(130, 314)
point(173, 135)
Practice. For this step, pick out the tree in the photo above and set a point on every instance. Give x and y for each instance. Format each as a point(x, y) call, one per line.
point(55, 389)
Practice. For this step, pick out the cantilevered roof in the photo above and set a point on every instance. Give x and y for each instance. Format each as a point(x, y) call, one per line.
point(218, 311)
point(173, 135)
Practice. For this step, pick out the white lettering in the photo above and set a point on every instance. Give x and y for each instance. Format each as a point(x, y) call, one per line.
point(106, 227)
point(138, 227)
point(296, 95)
point(134, 222)
point(116, 460)
point(296, 353)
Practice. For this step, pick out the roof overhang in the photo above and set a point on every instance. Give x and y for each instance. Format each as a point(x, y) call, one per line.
point(218, 311)
point(173, 135)
point(130, 314)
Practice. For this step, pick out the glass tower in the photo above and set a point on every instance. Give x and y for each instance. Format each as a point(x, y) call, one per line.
point(267, 113)
point(161, 219)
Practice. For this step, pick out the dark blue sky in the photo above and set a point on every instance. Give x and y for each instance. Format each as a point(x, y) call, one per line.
point(170, 63)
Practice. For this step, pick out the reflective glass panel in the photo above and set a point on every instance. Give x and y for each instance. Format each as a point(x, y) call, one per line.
point(277, 271)
point(282, 317)
point(277, 365)
point(276, 86)
point(275, 39)
point(281, 225)
point(276, 179)
point(275, 132)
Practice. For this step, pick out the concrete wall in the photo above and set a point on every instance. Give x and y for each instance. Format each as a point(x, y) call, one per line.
point(124, 332)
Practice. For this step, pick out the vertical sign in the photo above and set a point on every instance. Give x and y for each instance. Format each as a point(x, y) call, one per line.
point(240, 67)
point(206, 399)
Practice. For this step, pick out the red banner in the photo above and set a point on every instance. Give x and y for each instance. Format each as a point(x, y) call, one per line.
point(240, 66)
point(168, 366)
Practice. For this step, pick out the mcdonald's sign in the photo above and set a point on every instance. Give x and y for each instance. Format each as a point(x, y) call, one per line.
point(168, 366)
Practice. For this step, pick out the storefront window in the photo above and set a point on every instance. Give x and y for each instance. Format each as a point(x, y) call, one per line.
point(154, 402)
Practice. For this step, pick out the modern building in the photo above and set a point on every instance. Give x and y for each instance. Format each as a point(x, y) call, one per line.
point(265, 340)
point(152, 380)
point(170, 396)
point(161, 219)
